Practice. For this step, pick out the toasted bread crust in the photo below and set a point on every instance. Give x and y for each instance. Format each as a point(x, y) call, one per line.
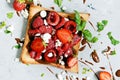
point(25, 57)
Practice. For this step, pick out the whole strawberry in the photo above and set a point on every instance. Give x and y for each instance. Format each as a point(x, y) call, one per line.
point(19, 5)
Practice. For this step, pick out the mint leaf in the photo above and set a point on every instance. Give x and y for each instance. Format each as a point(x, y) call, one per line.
point(87, 35)
point(42, 74)
point(94, 40)
point(2, 24)
point(21, 1)
point(112, 39)
point(17, 46)
point(113, 52)
point(105, 22)
point(7, 31)
point(77, 17)
point(101, 25)
point(10, 15)
point(58, 2)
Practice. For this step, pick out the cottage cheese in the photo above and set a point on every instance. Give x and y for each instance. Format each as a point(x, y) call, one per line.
point(46, 37)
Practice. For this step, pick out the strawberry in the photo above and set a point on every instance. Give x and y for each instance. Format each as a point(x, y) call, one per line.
point(64, 35)
point(61, 23)
point(103, 75)
point(71, 61)
point(50, 56)
point(37, 22)
point(37, 45)
point(19, 5)
point(71, 25)
point(53, 18)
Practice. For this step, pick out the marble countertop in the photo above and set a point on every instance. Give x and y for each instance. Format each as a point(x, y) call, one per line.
point(12, 69)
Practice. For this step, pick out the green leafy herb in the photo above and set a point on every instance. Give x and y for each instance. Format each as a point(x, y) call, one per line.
point(30, 0)
point(80, 23)
point(7, 31)
point(85, 70)
point(94, 40)
point(10, 15)
point(17, 46)
point(58, 2)
point(101, 25)
point(87, 35)
point(2, 24)
point(62, 9)
point(45, 44)
point(113, 52)
point(112, 39)
point(42, 75)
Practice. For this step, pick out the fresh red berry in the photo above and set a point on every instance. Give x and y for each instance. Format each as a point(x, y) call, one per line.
point(71, 61)
point(51, 44)
point(32, 32)
point(60, 51)
point(37, 45)
point(32, 54)
point(53, 18)
point(70, 25)
point(103, 75)
point(50, 56)
point(45, 29)
point(61, 23)
point(76, 39)
point(66, 46)
point(19, 5)
point(37, 57)
point(68, 52)
point(64, 35)
point(37, 22)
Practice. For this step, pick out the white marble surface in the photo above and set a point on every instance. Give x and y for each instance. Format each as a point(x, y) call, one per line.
point(11, 69)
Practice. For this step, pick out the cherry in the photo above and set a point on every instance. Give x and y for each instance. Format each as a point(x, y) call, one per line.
point(53, 18)
point(50, 56)
point(61, 23)
point(70, 25)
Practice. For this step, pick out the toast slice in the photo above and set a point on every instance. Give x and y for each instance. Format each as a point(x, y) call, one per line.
point(25, 56)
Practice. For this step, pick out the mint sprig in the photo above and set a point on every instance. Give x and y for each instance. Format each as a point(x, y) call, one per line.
point(112, 39)
point(58, 2)
point(101, 25)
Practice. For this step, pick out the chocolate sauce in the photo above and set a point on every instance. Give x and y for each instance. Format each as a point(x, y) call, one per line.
point(117, 73)
point(89, 62)
point(18, 40)
point(102, 68)
point(50, 70)
point(92, 25)
point(83, 41)
point(95, 57)
point(82, 48)
point(84, 1)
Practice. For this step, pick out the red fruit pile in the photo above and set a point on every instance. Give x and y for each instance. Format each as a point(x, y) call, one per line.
point(61, 37)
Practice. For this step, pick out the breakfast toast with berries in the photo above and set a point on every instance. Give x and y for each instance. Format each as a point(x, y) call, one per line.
point(51, 38)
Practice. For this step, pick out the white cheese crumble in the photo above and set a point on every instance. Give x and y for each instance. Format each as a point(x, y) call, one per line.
point(46, 37)
point(61, 62)
point(66, 55)
point(45, 22)
point(44, 51)
point(59, 76)
point(58, 43)
point(25, 13)
point(37, 35)
point(43, 13)
point(66, 19)
point(16, 60)
point(50, 55)
point(40, 57)
point(8, 1)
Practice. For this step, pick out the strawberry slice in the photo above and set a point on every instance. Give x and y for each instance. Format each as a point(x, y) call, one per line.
point(19, 5)
point(61, 23)
point(64, 35)
point(70, 25)
point(37, 45)
point(103, 75)
point(37, 22)
point(71, 61)
point(53, 18)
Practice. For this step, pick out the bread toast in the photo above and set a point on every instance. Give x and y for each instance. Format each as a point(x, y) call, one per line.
point(25, 57)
